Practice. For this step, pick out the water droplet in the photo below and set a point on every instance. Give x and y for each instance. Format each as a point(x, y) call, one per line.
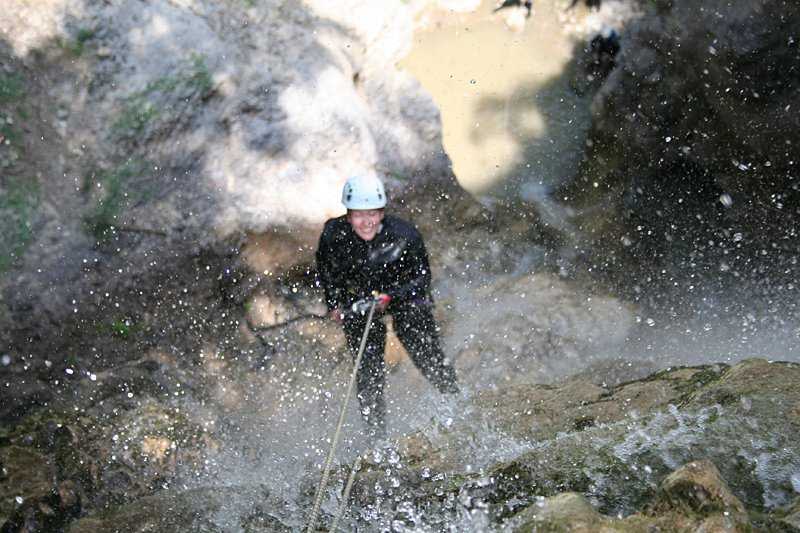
point(746, 403)
point(377, 456)
point(393, 457)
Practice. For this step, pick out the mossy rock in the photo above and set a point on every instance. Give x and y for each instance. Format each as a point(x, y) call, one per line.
point(618, 461)
point(565, 512)
point(113, 457)
point(693, 498)
point(26, 474)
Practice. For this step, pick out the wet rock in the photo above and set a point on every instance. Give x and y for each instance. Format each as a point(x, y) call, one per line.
point(198, 103)
point(694, 135)
point(27, 476)
point(698, 488)
point(512, 337)
point(565, 512)
point(614, 446)
point(693, 498)
point(27, 394)
point(644, 449)
point(97, 458)
point(263, 310)
point(48, 513)
point(792, 518)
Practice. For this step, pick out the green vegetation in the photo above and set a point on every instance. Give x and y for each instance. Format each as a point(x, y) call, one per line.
point(200, 77)
point(122, 327)
point(100, 221)
point(17, 206)
point(140, 109)
point(77, 46)
point(19, 196)
point(136, 115)
point(11, 88)
point(8, 132)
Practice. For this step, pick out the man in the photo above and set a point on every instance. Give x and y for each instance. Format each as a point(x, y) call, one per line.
point(366, 254)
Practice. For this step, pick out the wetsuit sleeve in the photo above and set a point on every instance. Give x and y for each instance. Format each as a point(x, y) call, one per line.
point(325, 267)
point(416, 282)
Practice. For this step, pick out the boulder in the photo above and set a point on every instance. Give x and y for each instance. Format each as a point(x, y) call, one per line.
point(615, 446)
point(565, 512)
point(27, 476)
point(697, 487)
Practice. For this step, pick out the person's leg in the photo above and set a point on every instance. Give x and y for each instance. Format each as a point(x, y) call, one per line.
point(416, 328)
point(371, 373)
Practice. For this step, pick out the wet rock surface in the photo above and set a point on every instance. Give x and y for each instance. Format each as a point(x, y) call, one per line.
point(621, 460)
point(710, 446)
point(693, 143)
point(161, 367)
point(158, 144)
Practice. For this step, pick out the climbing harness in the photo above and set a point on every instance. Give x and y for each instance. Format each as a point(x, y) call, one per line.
point(312, 521)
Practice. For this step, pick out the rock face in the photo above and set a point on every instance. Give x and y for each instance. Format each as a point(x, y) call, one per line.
point(694, 150)
point(616, 446)
point(693, 498)
point(698, 487)
point(157, 158)
point(687, 449)
point(176, 129)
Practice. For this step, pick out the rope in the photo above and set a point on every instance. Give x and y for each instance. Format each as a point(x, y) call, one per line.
point(312, 521)
point(346, 494)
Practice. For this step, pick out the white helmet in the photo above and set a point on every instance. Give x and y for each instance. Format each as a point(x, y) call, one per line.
point(363, 192)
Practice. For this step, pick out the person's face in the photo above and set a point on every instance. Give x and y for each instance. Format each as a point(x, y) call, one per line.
point(365, 222)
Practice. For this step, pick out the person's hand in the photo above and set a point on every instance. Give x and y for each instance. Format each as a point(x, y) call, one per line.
point(383, 301)
point(336, 315)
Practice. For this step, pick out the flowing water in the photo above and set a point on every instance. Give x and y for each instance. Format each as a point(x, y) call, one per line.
point(515, 127)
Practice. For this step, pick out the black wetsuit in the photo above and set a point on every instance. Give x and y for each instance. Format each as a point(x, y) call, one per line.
point(394, 262)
